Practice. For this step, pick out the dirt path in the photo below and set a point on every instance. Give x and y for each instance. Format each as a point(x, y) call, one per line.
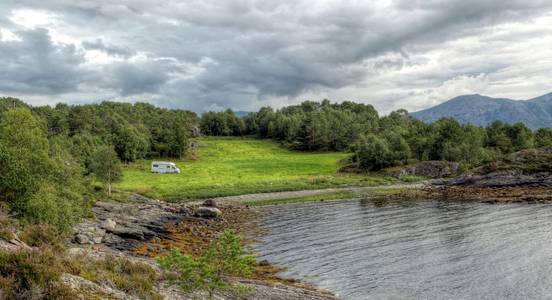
point(303, 193)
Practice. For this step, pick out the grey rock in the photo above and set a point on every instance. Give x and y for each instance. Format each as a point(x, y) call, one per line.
point(498, 179)
point(109, 225)
point(210, 203)
point(82, 239)
point(139, 198)
point(183, 210)
point(129, 232)
point(79, 283)
point(136, 222)
point(428, 169)
point(208, 212)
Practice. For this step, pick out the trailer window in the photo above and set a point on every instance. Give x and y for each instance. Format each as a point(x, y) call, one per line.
point(155, 166)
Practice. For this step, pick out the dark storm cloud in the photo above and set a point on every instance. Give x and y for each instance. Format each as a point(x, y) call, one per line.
point(201, 54)
point(34, 64)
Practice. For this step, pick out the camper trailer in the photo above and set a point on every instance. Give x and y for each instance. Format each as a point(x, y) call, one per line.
point(163, 167)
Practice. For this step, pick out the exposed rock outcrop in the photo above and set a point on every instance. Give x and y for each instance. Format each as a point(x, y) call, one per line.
point(428, 169)
point(81, 284)
point(13, 244)
point(140, 220)
point(500, 179)
point(524, 176)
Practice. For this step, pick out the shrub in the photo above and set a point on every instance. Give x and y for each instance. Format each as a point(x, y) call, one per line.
point(8, 226)
point(134, 278)
point(32, 275)
point(42, 235)
point(47, 206)
point(225, 256)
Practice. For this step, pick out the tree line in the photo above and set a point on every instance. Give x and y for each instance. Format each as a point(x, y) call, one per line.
point(377, 141)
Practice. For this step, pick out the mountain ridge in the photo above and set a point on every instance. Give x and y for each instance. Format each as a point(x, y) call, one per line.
point(482, 110)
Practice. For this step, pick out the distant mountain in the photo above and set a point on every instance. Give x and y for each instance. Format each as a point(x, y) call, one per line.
point(481, 110)
point(241, 113)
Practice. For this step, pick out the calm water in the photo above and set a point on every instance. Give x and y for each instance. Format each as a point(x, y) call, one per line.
point(421, 250)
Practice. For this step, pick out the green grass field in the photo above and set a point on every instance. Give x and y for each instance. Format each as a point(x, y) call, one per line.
point(233, 166)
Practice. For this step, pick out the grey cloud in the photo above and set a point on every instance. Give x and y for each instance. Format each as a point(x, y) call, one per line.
point(258, 49)
point(137, 78)
point(34, 64)
point(99, 44)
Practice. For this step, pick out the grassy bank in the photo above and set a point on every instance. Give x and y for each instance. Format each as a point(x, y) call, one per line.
point(234, 166)
point(340, 195)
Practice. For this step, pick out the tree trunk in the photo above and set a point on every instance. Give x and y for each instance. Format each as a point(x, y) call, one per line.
point(109, 189)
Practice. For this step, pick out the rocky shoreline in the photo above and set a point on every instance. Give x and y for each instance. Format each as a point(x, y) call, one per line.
point(495, 187)
point(524, 176)
point(142, 229)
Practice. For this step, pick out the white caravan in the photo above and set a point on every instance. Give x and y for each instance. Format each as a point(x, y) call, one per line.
point(163, 167)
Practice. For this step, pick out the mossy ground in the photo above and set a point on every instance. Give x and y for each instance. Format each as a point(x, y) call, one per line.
point(234, 166)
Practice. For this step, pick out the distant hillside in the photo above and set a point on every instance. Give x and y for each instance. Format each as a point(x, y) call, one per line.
point(482, 110)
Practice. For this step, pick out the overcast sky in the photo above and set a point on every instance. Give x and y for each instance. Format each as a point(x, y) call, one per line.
point(215, 54)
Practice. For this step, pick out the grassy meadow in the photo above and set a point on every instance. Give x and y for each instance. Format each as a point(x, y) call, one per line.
point(233, 166)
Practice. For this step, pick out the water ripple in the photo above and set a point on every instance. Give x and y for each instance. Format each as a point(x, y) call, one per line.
point(414, 250)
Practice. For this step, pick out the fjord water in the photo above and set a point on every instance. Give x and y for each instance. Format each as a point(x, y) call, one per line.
point(414, 249)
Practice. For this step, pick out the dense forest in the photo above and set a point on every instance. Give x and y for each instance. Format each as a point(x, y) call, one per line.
point(49, 155)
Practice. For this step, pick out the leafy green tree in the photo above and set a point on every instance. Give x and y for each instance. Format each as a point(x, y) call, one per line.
point(24, 160)
point(130, 144)
point(38, 178)
point(400, 150)
point(106, 166)
point(497, 137)
point(373, 153)
point(82, 147)
point(521, 136)
point(446, 133)
point(224, 257)
point(543, 137)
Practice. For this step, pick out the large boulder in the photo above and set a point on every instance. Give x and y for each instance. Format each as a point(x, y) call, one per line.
point(208, 212)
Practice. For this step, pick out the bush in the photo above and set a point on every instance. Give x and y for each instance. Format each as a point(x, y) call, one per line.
point(47, 206)
point(32, 275)
point(135, 278)
point(8, 226)
point(225, 256)
point(42, 235)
